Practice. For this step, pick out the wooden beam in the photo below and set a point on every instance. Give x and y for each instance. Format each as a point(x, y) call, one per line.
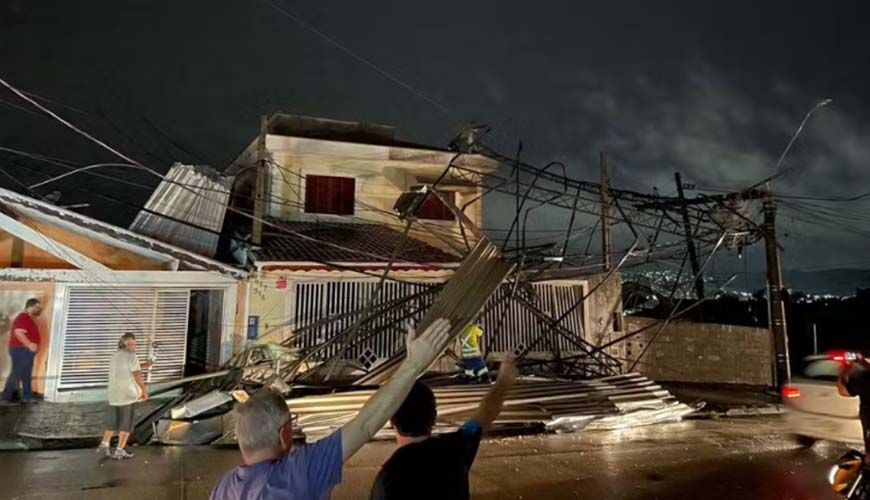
point(17, 259)
point(43, 242)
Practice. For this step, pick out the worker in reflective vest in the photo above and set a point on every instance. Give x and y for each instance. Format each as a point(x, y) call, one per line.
point(472, 358)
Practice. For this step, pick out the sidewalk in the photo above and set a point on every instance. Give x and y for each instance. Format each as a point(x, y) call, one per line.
point(45, 426)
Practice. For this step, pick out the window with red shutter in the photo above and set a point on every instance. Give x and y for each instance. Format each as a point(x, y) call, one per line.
point(433, 209)
point(326, 194)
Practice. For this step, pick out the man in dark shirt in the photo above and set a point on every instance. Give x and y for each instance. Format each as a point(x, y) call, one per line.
point(23, 345)
point(854, 381)
point(427, 467)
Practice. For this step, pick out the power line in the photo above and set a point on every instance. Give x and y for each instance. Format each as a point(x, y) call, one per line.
point(358, 57)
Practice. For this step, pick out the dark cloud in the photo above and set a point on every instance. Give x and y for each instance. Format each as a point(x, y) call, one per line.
point(712, 89)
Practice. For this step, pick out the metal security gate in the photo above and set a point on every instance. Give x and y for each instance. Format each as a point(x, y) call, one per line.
point(320, 300)
point(521, 327)
point(96, 317)
point(317, 301)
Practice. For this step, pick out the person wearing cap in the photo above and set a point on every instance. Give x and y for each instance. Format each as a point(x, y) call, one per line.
point(126, 388)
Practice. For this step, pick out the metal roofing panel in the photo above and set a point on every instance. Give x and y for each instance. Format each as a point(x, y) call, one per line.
point(187, 209)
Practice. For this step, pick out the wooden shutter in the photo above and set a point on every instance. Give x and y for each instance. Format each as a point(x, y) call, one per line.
point(329, 195)
point(96, 317)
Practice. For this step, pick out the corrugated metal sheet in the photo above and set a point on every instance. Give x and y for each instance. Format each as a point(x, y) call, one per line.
point(607, 403)
point(459, 301)
point(187, 209)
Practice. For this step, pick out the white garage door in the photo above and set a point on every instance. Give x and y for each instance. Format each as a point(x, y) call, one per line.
point(97, 316)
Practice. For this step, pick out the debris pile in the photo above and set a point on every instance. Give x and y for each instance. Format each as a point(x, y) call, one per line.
point(532, 404)
point(583, 392)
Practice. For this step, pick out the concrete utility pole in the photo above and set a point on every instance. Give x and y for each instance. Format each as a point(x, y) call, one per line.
point(606, 244)
point(517, 200)
point(690, 243)
point(260, 193)
point(775, 303)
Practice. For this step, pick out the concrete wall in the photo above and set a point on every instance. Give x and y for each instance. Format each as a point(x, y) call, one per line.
point(701, 352)
point(604, 309)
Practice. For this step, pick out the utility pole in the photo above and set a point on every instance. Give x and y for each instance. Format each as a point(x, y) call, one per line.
point(517, 201)
point(690, 243)
point(775, 302)
point(606, 245)
point(260, 193)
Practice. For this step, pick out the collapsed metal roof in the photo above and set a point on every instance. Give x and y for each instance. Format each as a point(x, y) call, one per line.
point(187, 209)
point(110, 234)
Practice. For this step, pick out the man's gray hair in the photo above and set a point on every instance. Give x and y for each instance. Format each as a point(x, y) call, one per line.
point(260, 419)
point(122, 342)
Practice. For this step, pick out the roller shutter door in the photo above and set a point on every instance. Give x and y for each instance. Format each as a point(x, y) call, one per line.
point(97, 316)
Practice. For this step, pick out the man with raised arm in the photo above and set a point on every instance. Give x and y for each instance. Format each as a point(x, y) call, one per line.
point(426, 467)
point(264, 430)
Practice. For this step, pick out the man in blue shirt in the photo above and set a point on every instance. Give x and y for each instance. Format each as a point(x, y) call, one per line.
point(265, 434)
point(426, 467)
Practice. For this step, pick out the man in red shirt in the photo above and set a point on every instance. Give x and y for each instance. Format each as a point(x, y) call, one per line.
point(23, 344)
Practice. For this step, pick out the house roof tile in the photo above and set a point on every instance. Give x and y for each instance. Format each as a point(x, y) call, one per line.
point(304, 241)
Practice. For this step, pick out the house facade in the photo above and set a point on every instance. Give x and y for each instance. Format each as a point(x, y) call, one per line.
point(329, 232)
point(97, 281)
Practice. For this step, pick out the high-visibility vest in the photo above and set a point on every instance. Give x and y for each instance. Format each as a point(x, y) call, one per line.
point(469, 342)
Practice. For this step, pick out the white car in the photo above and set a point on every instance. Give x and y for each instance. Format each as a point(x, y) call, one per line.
point(814, 408)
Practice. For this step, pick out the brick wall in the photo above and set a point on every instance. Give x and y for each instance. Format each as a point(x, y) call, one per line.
point(700, 352)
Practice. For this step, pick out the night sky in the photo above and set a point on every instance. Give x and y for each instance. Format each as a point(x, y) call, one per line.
point(712, 89)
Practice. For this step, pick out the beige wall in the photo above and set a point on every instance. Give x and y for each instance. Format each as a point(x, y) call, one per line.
point(701, 352)
point(13, 295)
point(381, 176)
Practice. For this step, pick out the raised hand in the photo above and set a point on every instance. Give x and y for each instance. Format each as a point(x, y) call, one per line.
point(507, 372)
point(423, 348)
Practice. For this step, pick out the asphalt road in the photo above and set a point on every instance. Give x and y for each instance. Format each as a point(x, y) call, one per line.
point(725, 459)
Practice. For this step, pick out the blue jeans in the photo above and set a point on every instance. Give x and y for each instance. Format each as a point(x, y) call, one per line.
point(22, 371)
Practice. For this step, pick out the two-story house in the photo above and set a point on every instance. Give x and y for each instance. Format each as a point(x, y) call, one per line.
point(322, 192)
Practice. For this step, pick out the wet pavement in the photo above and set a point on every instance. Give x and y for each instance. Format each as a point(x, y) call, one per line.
point(713, 459)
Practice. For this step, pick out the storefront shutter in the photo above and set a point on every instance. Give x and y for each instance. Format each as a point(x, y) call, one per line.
point(96, 317)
